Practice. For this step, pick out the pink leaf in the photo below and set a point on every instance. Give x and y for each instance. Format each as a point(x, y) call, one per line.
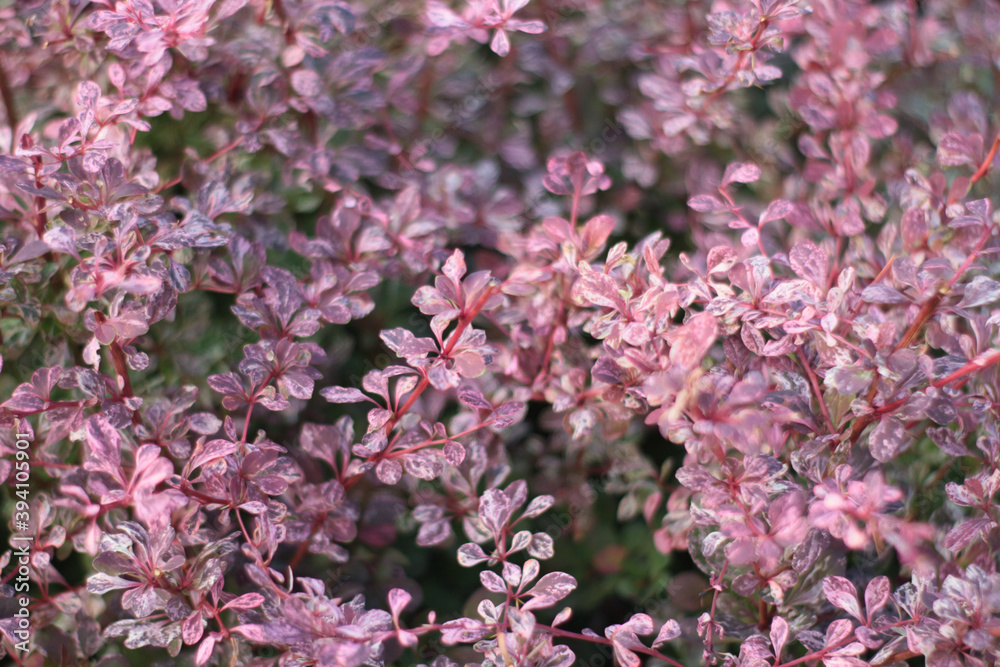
point(470, 554)
point(212, 451)
point(876, 596)
point(192, 628)
point(538, 505)
point(749, 238)
point(740, 172)
point(454, 267)
point(246, 601)
point(882, 293)
point(966, 533)
point(204, 652)
point(888, 439)
point(343, 395)
point(398, 599)
point(253, 632)
point(551, 588)
point(492, 582)
point(721, 259)
point(307, 83)
point(596, 232)
point(105, 447)
point(389, 471)
point(454, 453)
point(955, 150)
point(841, 593)
point(693, 340)
point(671, 630)
point(494, 510)
point(640, 624)
point(707, 204)
point(87, 95)
point(838, 631)
point(776, 210)
point(811, 262)
point(500, 43)
point(779, 636)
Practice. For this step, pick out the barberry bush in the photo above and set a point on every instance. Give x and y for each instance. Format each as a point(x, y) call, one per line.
point(500, 333)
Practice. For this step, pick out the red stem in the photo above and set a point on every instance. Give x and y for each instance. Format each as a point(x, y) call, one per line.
point(559, 632)
point(984, 167)
point(816, 389)
point(211, 158)
point(823, 652)
point(304, 545)
point(927, 311)
point(715, 602)
point(970, 367)
point(464, 321)
point(203, 497)
point(543, 370)
point(973, 256)
point(739, 65)
point(121, 367)
point(41, 217)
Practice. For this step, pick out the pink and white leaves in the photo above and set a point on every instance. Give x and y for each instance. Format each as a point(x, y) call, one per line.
point(624, 638)
point(772, 361)
point(551, 588)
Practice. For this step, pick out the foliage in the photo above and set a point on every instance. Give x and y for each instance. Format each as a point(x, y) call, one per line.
point(674, 324)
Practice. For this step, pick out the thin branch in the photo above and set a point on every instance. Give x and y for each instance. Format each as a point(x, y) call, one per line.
point(976, 364)
point(985, 166)
point(814, 381)
point(566, 634)
point(8, 103)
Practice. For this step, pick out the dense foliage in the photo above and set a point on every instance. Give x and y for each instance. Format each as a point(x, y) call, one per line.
point(501, 333)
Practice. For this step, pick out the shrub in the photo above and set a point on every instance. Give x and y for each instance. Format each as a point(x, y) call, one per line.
point(342, 333)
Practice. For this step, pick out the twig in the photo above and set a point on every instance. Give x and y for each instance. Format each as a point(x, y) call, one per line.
point(567, 634)
point(8, 103)
point(814, 381)
point(974, 365)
